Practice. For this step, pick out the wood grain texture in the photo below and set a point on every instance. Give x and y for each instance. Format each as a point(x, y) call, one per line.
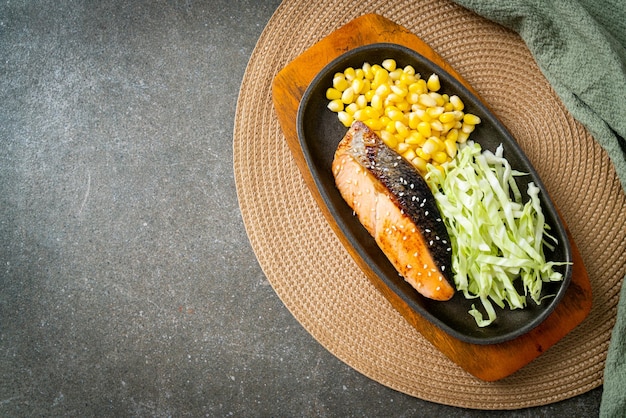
point(486, 362)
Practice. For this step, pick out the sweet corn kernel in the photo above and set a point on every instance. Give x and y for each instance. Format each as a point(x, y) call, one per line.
point(367, 71)
point(400, 91)
point(395, 74)
point(401, 129)
point(423, 155)
point(374, 124)
point(418, 87)
point(395, 114)
point(361, 101)
point(427, 100)
point(447, 117)
point(409, 155)
point(347, 96)
point(351, 108)
point(430, 146)
point(340, 83)
point(394, 98)
point(380, 77)
point(391, 127)
point(422, 84)
point(406, 78)
point(332, 93)
point(402, 147)
point(412, 98)
point(471, 119)
point(359, 115)
point(440, 157)
point(453, 135)
point(377, 102)
point(389, 139)
point(420, 164)
point(389, 64)
point(437, 97)
point(451, 148)
point(415, 138)
point(433, 83)
point(371, 113)
point(440, 143)
point(424, 129)
point(383, 90)
point(447, 127)
point(468, 129)
point(345, 118)
point(357, 85)
point(422, 115)
point(434, 112)
point(335, 105)
point(414, 120)
point(403, 106)
point(436, 126)
point(457, 102)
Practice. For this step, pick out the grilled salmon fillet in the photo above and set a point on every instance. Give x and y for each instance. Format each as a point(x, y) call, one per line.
point(395, 205)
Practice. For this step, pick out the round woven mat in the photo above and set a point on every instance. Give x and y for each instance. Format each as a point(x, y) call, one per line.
point(324, 289)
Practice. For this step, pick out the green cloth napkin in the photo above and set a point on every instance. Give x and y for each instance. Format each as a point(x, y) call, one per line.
point(580, 46)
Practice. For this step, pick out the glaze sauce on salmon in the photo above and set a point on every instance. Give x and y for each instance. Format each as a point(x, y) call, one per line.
point(395, 205)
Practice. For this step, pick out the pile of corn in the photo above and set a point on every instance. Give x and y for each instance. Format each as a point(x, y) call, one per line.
point(406, 111)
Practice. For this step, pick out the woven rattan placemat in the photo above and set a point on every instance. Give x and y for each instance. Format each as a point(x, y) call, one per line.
point(323, 288)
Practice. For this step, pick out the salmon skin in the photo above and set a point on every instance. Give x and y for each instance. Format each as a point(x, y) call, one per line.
point(395, 205)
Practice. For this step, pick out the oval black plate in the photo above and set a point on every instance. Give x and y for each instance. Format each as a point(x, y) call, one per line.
point(319, 132)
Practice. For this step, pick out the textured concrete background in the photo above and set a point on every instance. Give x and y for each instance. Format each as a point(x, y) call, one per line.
point(127, 283)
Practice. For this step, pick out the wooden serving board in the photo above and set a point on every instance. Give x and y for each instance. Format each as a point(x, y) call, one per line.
point(487, 362)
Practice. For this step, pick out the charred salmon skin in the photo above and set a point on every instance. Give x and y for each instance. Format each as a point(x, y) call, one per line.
point(394, 203)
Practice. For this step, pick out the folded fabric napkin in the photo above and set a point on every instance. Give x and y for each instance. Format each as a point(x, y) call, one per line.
point(580, 46)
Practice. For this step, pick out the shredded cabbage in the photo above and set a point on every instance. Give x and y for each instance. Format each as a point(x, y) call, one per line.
point(496, 239)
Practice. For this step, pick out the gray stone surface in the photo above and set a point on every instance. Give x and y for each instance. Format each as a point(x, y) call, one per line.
point(127, 283)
